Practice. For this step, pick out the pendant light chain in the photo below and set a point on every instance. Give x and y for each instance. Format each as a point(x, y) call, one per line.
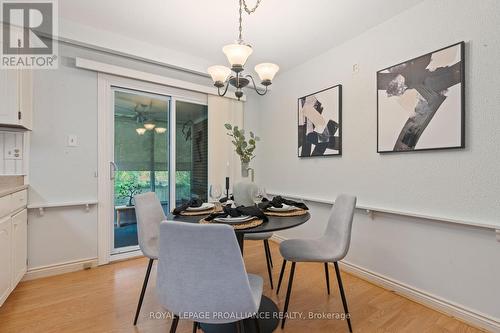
point(249, 11)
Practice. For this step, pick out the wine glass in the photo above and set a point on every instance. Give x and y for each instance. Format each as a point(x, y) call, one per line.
point(262, 193)
point(215, 192)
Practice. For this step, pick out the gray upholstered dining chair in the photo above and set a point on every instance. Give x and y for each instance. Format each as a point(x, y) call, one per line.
point(330, 248)
point(149, 214)
point(244, 194)
point(201, 273)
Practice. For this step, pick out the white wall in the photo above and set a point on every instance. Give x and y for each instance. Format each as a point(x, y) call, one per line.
point(65, 102)
point(453, 262)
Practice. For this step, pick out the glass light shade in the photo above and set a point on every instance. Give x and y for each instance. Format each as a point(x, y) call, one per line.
point(219, 73)
point(267, 71)
point(237, 54)
point(160, 130)
point(140, 130)
point(149, 126)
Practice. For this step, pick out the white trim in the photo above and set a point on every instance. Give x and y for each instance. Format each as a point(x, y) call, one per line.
point(62, 204)
point(172, 167)
point(104, 185)
point(437, 303)
point(61, 268)
point(145, 76)
point(371, 210)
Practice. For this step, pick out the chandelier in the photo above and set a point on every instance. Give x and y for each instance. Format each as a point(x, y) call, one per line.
point(237, 55)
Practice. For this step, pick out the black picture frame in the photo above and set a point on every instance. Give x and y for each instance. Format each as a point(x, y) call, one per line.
point(462, 102)
point(338, 141)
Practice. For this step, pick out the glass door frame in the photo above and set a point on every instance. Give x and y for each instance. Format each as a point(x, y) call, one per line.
point(106, 85)
point(114, 89)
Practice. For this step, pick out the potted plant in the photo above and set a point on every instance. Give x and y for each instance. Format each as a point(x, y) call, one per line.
point(245, 149)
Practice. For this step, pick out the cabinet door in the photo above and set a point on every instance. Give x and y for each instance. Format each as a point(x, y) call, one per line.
point(19, 246)
point(5, 258)
point(9, 96)
point(26, 98)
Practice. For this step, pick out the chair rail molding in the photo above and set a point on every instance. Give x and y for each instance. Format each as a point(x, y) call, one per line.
point(371, 211)
point(42, 206)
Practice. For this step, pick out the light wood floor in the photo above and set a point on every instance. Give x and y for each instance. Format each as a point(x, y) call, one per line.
point(104, 300)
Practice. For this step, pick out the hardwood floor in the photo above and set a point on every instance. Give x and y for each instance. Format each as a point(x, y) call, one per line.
point(104, 299)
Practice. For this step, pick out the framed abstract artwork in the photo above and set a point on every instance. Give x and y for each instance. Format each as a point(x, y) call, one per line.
point(320, 123)
point(420, 102)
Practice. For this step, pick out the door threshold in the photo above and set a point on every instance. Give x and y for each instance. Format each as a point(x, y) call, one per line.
point(124, 255)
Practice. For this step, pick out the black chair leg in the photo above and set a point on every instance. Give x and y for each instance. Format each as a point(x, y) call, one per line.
point(195, 326)
point(240, 327)
point(143, 291)
point(281, 276)
point(268, 262)
point(266, 244)
point(342, 295)
point(175, 322)
point(257, 324)
point(327, 278)
point(288, 292)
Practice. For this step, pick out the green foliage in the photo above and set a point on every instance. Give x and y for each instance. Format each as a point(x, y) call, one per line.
point(127, 185)
point(245, 149)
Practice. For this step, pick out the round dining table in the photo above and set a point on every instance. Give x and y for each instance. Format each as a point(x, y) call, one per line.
point(269, 314)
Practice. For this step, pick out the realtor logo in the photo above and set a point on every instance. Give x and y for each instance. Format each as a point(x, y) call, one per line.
point(27, 33)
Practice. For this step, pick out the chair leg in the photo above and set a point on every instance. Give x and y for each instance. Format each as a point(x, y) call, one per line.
point(143, 291)
point(268, 262)
point(266, 244)
point(240, 327)
point(257, 324)
point(281, 276)
point(195, 326)
point(175, 322)
point(288, 292)
point(327, 278)
point(342, 295)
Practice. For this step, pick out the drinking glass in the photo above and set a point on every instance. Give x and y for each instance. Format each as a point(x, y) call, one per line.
point(215, 192)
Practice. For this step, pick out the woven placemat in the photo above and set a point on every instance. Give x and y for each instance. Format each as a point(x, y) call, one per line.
point(240, 226)
point(297, 212)
point(216, 209)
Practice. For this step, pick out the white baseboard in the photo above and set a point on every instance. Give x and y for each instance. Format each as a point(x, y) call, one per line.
point(449, 308)
point(65, 267)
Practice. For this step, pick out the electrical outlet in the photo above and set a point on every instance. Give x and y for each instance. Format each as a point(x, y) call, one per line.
point(72, 140)
point(14, 154)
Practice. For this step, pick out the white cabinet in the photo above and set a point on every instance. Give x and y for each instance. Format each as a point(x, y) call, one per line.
point(5, 258)
point(19, 246)
point(16, 96)
point(13, 241)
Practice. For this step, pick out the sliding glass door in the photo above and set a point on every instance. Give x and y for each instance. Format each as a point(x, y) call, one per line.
point(141, 158)
point(191, 151)
point(160, 144)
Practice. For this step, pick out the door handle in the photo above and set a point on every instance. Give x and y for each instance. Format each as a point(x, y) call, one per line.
point(112, 170)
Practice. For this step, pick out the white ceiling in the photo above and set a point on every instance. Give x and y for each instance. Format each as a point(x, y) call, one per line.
point(287, 32)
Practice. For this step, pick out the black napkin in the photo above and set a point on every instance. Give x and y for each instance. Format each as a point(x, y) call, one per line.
point(187, 204)
point(239, 211)
point(225, 199)
point(278, 202)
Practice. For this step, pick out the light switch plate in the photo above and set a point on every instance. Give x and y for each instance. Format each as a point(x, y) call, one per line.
point(72, 140)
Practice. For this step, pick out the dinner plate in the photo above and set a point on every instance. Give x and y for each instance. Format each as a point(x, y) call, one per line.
point(230, 219)
point(204, 206)
point(285, 208)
